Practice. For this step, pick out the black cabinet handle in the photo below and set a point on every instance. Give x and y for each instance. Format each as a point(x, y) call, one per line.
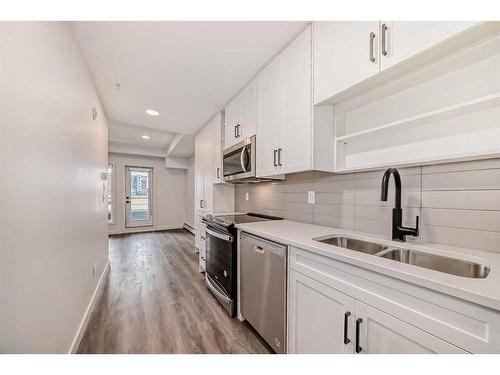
point(346, 321)
point(274, 162)
point(358, 323)
point(235, 134)
point(238, 134)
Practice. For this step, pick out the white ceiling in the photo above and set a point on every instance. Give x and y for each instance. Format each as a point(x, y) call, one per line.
point(132, 134)
point(185, 70)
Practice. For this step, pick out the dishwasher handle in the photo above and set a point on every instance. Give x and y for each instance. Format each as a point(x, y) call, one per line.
point(259, 249)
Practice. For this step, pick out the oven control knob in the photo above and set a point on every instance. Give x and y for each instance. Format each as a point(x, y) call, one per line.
point(225, 273)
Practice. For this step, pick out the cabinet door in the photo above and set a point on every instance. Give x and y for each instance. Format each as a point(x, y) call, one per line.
point(249, 110)
point(217, 156)
point(296, 128)
point(402, 39)
point(319, 317)
point(270, 117)
point(199, 173)
point(232, 120)
point(342, 55)
point(381, 333)
point(208, 166)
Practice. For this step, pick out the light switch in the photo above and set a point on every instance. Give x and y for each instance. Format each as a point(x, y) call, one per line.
point(311, 197)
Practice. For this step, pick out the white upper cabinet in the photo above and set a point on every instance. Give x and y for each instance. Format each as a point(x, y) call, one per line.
point(402, 39)
point(216, 125)
point(249, 110)
point(345, 53)
point(232, 122)
point(348, 52)
point(270, 118)
point(296, 128)
point(289, 138)
point(242, 115)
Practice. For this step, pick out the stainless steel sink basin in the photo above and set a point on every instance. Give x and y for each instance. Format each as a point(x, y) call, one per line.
point(354, 244)
point(439, 263)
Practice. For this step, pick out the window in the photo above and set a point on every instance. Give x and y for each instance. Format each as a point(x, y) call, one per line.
point(110, 193)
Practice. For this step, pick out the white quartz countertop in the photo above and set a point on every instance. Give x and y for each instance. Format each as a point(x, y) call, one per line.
point(484, 292)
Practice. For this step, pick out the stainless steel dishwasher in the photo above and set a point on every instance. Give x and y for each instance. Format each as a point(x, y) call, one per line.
point(263, 288)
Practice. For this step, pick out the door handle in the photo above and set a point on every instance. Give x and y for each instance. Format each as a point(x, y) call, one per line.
point(279, 156)
point(346, 321)
point(372, 38)
point(358, 323)
point(274, 162)
point(384, 39)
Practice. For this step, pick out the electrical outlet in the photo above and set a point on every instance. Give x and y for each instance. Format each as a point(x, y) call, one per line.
point(311, 197)
point(94, 269)
point(247, 196)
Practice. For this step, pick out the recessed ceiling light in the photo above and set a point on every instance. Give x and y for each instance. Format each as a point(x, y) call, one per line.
point(146, 137)
point(152, 112)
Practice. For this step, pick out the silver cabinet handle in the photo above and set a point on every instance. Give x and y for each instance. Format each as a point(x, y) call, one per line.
point(238, 133)
point(218, 173)
point(274, 162)
point(280, 150)
point(384, 39)
point(372, 38)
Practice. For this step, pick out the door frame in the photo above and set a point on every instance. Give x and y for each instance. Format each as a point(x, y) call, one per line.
point(139, 223)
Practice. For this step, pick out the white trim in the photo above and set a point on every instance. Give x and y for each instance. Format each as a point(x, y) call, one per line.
point(189, 228)
point(90, 308)
point(144, 229)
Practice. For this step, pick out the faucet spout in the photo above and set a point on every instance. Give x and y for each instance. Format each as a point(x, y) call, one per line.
point(399, 232)
point(385, 186)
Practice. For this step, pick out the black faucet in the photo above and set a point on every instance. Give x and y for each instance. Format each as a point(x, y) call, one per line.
point(399, 232)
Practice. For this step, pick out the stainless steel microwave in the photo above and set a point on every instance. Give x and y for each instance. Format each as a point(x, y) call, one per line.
point(239, 161)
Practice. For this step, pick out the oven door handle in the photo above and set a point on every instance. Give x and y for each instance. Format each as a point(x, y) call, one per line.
point(219, 235)
point(244, 159)
point(213, 287)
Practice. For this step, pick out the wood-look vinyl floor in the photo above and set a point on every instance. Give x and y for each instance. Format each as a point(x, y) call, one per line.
point(156, 301)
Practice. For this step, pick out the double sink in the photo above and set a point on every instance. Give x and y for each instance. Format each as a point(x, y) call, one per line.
point(452, 266)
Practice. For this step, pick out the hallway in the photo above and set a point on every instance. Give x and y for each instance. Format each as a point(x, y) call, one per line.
point(155, 301)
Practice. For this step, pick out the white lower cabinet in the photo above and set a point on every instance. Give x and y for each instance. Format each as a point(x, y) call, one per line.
point(326, 321)
point(319, 318)
point(335, 307)
point(381, 333)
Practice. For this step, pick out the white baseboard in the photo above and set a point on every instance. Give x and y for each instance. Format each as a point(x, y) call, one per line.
point(88, 312)
point(189, 228)
point(144, 229)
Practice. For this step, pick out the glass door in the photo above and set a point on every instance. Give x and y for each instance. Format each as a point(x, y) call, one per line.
point(138, 197)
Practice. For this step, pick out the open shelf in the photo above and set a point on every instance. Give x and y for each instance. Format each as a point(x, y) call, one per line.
point(477, 104)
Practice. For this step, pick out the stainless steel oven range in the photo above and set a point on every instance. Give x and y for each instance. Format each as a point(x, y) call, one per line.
point(220, 269)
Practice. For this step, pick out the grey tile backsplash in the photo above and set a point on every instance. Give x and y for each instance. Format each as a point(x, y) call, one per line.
point(458, 203)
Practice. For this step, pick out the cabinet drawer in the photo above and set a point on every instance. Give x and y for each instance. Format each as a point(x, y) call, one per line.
point(469, 326)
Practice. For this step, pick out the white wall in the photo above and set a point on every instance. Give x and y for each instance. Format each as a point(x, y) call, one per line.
point(52, 214)
point(190, 193)
point(169, 192)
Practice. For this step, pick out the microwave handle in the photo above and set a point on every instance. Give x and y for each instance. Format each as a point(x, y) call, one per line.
point(244, 159)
